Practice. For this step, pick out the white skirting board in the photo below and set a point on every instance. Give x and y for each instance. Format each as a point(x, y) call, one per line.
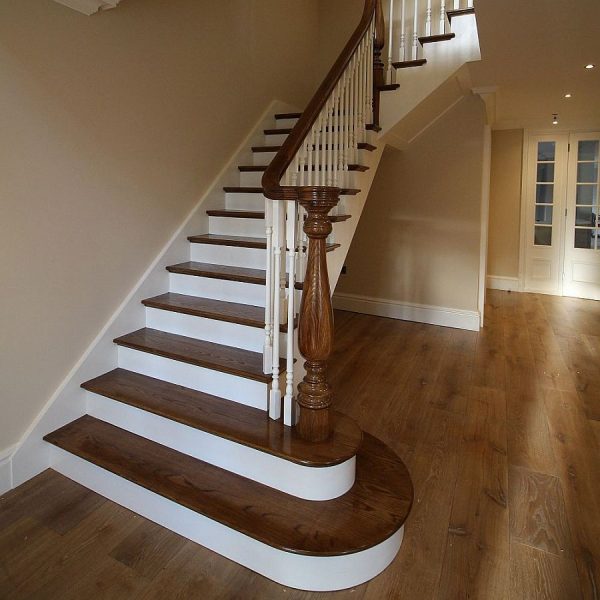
point(406, 311)
point(508, 284)
point(6, 469)
point(311, 573)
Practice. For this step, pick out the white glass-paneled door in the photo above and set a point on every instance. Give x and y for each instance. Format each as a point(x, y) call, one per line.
point(545, 199)
point(582, 235)
point(561, 215)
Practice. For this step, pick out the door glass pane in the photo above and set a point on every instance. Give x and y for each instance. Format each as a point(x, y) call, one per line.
point(584, 238)
point(588, 150)
point(584, 216)
point(587, 194)
point(586, 173)
point(543, 214)
point(544, 193)
point(543, 236)
point(545, 172)
point(546, 150)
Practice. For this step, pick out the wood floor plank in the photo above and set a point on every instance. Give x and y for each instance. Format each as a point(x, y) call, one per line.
point(538, 575)
point(537, 512)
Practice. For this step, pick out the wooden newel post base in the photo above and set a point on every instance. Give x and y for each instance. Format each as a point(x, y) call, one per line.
point(315, 326)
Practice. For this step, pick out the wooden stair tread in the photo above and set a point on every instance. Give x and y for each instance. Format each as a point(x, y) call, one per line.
point(373, 510)
point(217, 357)
point(388, 87)
point(407, 64)
point(236, 214)
point(236, 422)
point(459, 12)
point(288, 116)
point(239, 241)
point(259, 190)
point(442, 37)
point(262, 168)
point(219, 310)
point(361, 145)
point(229, 240)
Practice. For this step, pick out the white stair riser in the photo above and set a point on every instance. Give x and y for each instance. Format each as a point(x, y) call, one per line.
point(310, 483)
point(245, 201)
point(254, 180)
point(312, 573)
point(262, 158)
point(231, 387)
point(249, 179)
point(210, 330)
point(284, 123)
point(231, 256)
point(273, 139)
point(234, 226)
point(217, 289)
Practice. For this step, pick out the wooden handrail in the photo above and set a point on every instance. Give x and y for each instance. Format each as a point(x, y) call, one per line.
point(315, 323)
point(276, 170)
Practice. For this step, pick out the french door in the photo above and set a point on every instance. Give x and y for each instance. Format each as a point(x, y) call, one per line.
point(562, 226)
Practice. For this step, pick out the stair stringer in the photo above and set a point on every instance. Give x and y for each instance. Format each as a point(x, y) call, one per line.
point(69, 401)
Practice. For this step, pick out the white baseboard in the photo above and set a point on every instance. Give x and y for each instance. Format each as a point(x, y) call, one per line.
point(407, 311)
point(6, 469)
point(508, 284)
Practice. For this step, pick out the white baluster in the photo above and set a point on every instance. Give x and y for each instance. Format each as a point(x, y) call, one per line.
point(469, 3)
point(442, 17)
point(352, 156)
point(329, 161)
point(370, 62)
point(456, 4)
point(346, 121)
point(311, 153)
point(402, 46)
point(268, 346)
point(428, 18)
point(278, 242)
point(288, 405)
point(415, 45)
point(336, 135)
point(390, 69)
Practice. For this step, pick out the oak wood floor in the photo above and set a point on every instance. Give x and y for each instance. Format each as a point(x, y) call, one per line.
point(501, 433)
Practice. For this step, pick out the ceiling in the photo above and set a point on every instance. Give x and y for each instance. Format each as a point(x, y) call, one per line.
point(535, 51)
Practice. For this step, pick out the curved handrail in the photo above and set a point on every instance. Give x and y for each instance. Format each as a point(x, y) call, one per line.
point(276, 170)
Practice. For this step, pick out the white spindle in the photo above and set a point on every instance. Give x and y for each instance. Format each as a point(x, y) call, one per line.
point(275, 397)
point(370, 58)
point(288, 412)
point(329, 163)
point(268, 345)
point(456, 4)
point(402, 47)
point(442, 17)
point(415, 44)
point(390, 42)
point(428, 18)
point(336, 135)
point(469, 3)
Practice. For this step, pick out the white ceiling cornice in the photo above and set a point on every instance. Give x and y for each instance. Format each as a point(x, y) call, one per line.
point(89, 7)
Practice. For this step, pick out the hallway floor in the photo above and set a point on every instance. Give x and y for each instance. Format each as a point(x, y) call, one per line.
point(501, 433)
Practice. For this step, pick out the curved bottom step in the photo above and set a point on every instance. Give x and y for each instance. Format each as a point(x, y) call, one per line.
point(317, 546)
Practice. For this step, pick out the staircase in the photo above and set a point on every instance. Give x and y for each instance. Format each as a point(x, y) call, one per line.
point(198, 427)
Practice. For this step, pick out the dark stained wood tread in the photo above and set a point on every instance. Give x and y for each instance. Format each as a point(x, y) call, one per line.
point(219, 310)
point(238, 241)
point(252, 214)
point(288, 116)
point(259, 190)
point(339, 218)
point(373, 510)
point(361, 145)
point(286, 131)
point(241, 274)
point(459, 12)
point(372, 127)
point(200, 353)
point(442, 37)
point(388, 87)
point(407, 64)
point(366, 146)
point(241, 424)
point(262, 168)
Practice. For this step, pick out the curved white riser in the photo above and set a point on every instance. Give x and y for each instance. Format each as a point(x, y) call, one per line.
point(310, 483)
point(243, 201)
point(217, 289)
point(210, 330)
point(312, 573)
point(224, 385)
point(233, 256)
point(231, 226)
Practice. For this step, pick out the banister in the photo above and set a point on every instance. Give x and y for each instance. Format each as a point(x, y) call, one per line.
point(284, 157)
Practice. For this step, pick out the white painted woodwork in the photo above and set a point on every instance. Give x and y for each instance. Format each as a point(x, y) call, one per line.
point(224, 385)
point(234, 256)
point(236, 226)
point(89, 7)
point(217, 289)
point(289, 569)
point(323, 483)
point(246, 201)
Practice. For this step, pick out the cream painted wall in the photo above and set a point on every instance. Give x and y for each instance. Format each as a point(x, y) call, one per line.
point(112, 128)
point(505, 203)
point(419, 237)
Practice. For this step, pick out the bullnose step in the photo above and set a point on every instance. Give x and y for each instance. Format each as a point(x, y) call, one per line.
point(407, 64)
point(239, 241)
point(259, 190)
point(226, 359)
point(374, 509)
point(262, 168)
point(251, 214)
point(442, 37)
point(230, 420)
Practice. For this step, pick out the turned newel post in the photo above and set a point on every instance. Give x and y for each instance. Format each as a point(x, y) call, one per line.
point(315, 327)
point(378, 66)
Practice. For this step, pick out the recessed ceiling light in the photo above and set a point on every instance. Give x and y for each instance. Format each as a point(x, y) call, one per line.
point(554, 119)
point(590, 66)
point(568, 96)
